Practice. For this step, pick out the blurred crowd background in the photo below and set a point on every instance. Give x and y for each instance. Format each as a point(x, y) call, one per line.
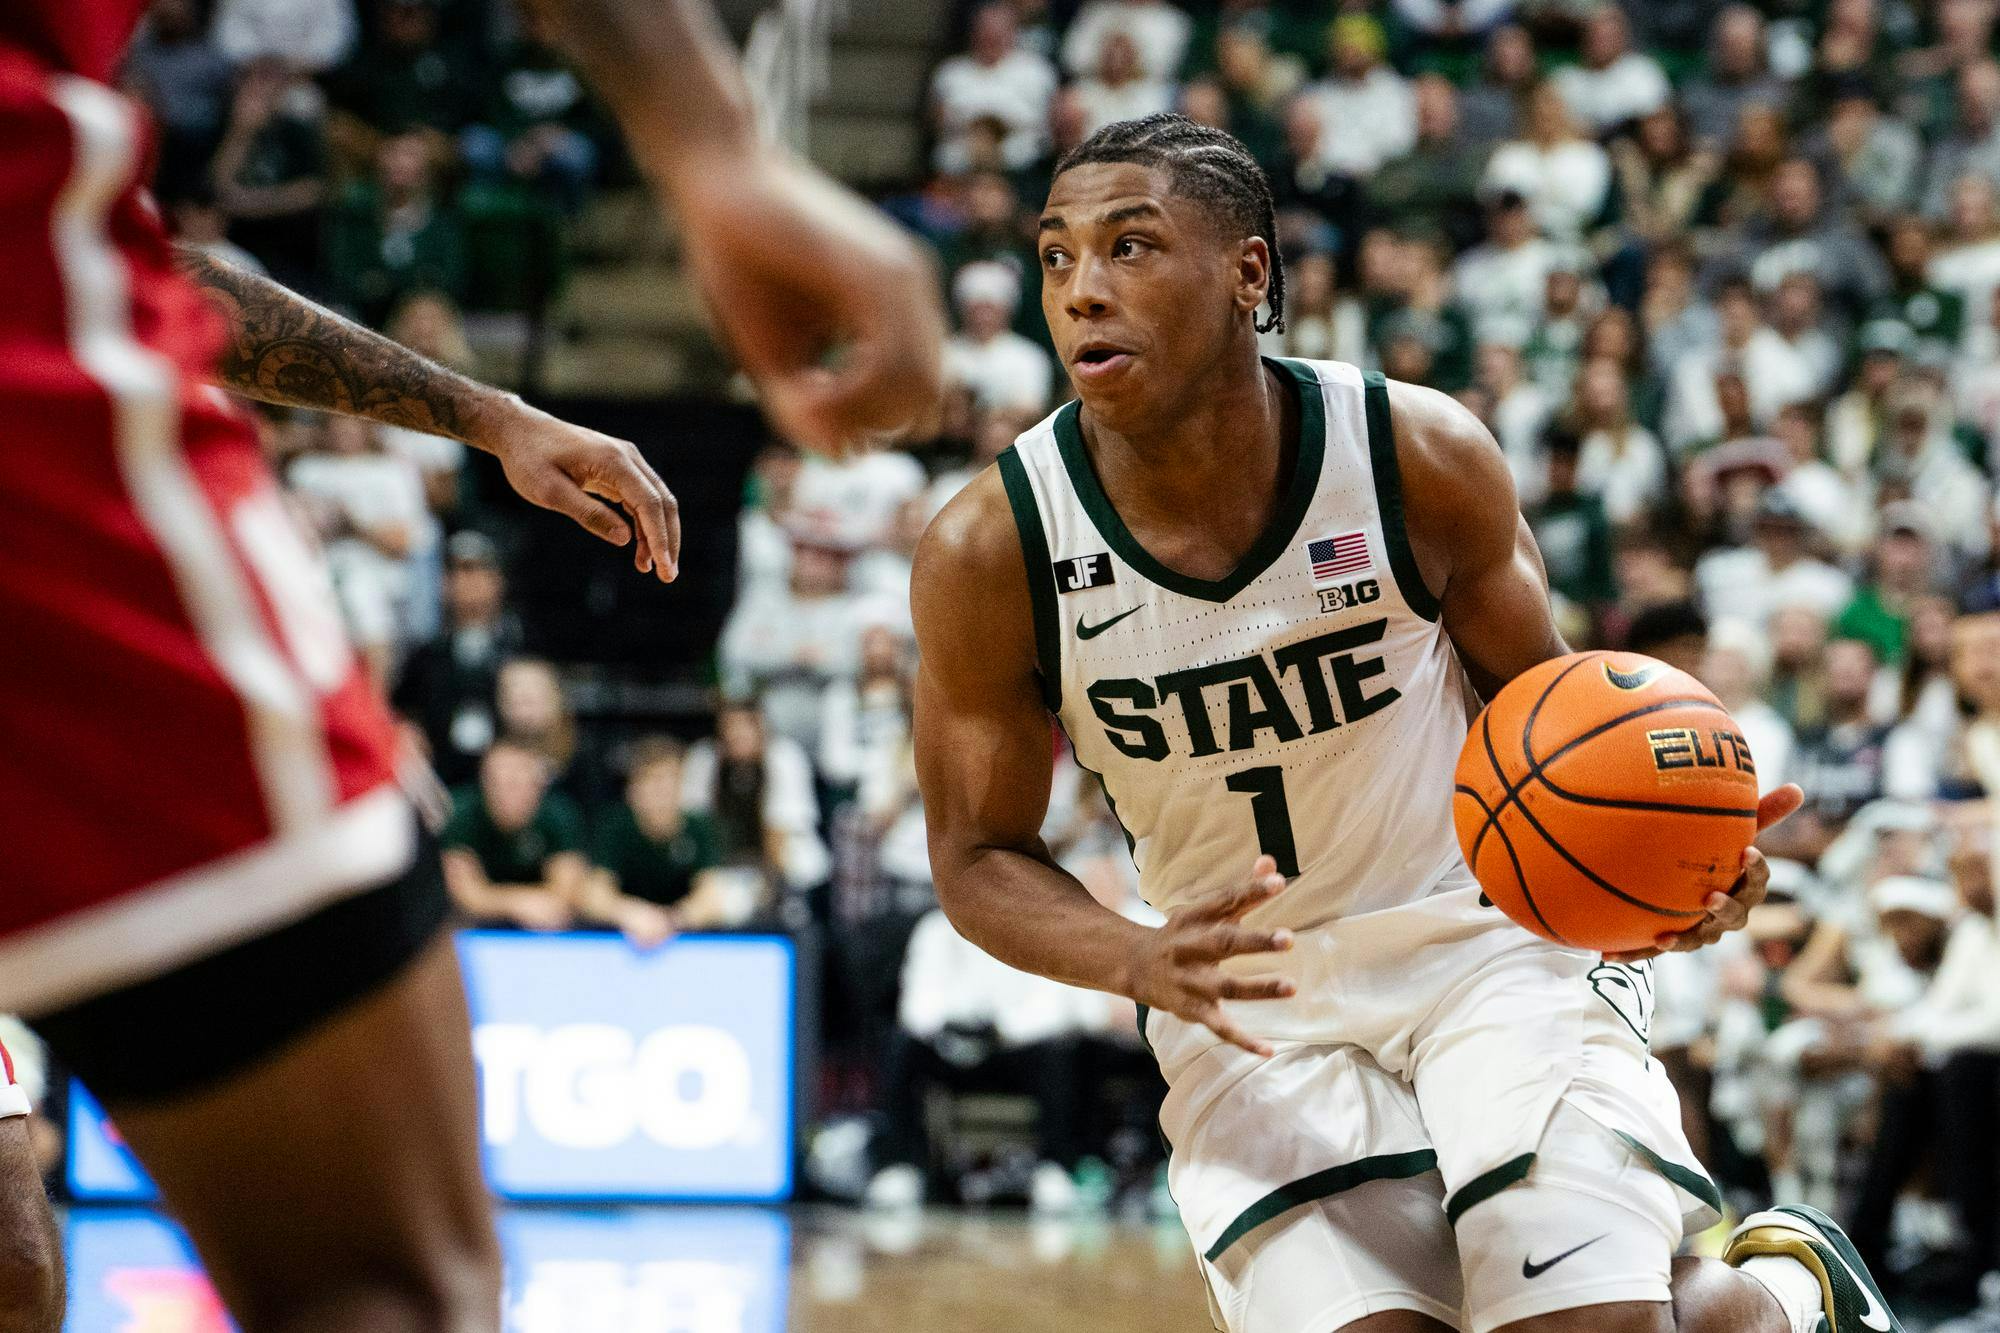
point(1720, 277)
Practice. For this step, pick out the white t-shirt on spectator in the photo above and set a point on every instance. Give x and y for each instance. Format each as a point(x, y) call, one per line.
point(314, 35)
point(1737, 582)
point(1564, 185)
point(858, 498)
point(1159, 31)
point(763, 554)
point(789, 806)
point(1518, 422)
point(372, 490)
point(1628, 478)
point(1772, 742)
point(1366, 122)
point(1773, 373)
point(1960, 1010)
point(1631, 86)
point(790, 648)
point(1105, 105)
point(430, 453)
point(1973, 271)
point(1505, 290)
point(1006, 371)
point(1015, 91)
point(1830, 503)
point(948, 981)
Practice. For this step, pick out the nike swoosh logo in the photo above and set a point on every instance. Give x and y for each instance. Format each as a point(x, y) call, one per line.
point(1534, 1270)
point(1629, 680)
point(1084, 631)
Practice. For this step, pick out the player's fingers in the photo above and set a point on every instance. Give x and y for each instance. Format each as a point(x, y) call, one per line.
point(1779, 805)
point(1754, 882)
point(1726, 913)
point(654, 510)
point(1633, 956)
point(1211, 1017)
point(1255, 988)
point(1212, 944)
point(1263, 884)
point(597, 518)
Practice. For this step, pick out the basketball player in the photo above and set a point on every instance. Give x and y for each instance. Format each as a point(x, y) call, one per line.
point(1254, 594)
point(216, 907)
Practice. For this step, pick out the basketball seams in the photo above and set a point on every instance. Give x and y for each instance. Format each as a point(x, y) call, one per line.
point(1520, 876)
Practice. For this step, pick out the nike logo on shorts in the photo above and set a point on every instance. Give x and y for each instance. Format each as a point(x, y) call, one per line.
point(1530, 1269)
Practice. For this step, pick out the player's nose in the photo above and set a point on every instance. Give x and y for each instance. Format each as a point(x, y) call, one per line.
point(1089, 295)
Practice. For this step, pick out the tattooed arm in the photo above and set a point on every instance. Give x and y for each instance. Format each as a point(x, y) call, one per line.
point(283, 349)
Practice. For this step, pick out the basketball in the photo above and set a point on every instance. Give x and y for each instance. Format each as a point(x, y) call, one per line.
point(1601, 797)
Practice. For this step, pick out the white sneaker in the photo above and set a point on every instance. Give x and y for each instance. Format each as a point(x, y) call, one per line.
point(1051, 1191)
point(899, 1186)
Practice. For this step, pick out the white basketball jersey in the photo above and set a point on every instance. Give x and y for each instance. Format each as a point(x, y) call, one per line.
point(1308, 705)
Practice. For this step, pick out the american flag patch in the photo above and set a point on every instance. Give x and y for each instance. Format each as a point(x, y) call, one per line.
point(1338, 556)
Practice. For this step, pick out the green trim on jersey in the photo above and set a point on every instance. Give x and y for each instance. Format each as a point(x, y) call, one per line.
point(1483, 1187)
point(1695, 1183)
point(1389, 498)
point(1320, 1185)
point(1041, 575)
point(1270, 544)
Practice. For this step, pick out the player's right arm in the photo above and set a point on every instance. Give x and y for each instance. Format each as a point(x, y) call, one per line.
point(832, 309)
point(985, 751)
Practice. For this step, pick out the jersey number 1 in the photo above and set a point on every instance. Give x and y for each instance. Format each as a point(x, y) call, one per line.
point(1266, 787)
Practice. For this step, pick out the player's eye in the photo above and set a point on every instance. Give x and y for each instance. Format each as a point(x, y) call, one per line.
point(1053, 258)
point(1127, 247)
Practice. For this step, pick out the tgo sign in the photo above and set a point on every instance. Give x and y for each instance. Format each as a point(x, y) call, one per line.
point(604, 1073)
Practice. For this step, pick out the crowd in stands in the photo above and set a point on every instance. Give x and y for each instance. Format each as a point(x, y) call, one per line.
point(1722, 278)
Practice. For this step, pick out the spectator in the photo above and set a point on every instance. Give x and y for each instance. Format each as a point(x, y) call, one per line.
point(538, 126)
point(1750, 167)
point(1800, 234)
point(270, 171)
point(1840, 759)
point(856, 501)
point(1521, 413)
point(1489, 110)
point(1004, 370)
point(1736, 667)
point(1920, 460)
point(1968, 260)
point(1447, 23)
point(187, 83)
point(1901, 569)
point(367, 506)
point(1771, 371)
point(1775, 570)
point(1564, 177)
point(407, 78)
point(756, 789)
point(1570, 527)
point(1614, 84)
point(650, 880)
point(1157, 30)
point(966, 1021)
point(1872, 160)
point(1855, 421)
point(1367, 113)
point(1503, 281)
point(513, 850)
point(867, 719)
point(1321, 322)
point(396, 233)
point(1618, 460)
point(1972, 146)
point(1118, 87)
point(1737, 75)
point(999, 80)
point(1798, 654)
point(448, 685)
point(200, 224)
point(1313, 198)
point(312, 35)
point(1931, 313)
point(1661, 178)
point(533, 709)
point(1828, 501)
point(1800, 320)
point(1434, 186)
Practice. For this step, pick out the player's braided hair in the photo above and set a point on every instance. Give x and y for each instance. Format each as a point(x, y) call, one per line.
point(1206, 164)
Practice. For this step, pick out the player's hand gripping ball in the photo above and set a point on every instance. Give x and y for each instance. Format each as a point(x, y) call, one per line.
point(1603, 799)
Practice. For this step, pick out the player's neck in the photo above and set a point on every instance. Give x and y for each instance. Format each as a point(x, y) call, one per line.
point(1217, 448)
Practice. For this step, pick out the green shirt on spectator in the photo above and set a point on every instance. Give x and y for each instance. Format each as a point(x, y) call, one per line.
point(660, 872)
point(1870, 619)
point(517, 857)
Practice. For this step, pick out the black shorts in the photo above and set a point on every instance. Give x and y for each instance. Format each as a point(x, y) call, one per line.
point(191, 1028)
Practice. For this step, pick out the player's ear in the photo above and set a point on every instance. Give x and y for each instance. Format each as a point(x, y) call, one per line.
point(1253, 273)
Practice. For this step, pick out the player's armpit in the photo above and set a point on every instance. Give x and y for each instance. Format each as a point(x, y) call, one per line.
point(1470, 540)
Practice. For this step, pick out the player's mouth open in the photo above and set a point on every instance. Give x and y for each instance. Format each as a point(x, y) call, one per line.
point(1097, 360)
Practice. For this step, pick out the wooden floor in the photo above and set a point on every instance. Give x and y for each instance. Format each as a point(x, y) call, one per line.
point(990, 1273)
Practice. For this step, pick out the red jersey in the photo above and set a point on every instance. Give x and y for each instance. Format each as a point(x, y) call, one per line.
point(194, 756)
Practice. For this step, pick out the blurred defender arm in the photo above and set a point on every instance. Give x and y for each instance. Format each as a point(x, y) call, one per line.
point(288, 351)
point(832, 309)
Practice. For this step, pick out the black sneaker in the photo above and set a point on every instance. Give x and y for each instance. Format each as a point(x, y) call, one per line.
point(1854, 1304)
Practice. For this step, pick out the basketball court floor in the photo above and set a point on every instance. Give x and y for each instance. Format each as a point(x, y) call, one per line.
point(729, 1269)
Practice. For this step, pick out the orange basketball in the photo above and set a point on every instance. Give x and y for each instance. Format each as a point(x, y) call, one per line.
point(1601, 798)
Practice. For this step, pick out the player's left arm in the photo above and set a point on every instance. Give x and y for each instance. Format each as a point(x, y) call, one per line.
point(1479, 557)
point(286, 350)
